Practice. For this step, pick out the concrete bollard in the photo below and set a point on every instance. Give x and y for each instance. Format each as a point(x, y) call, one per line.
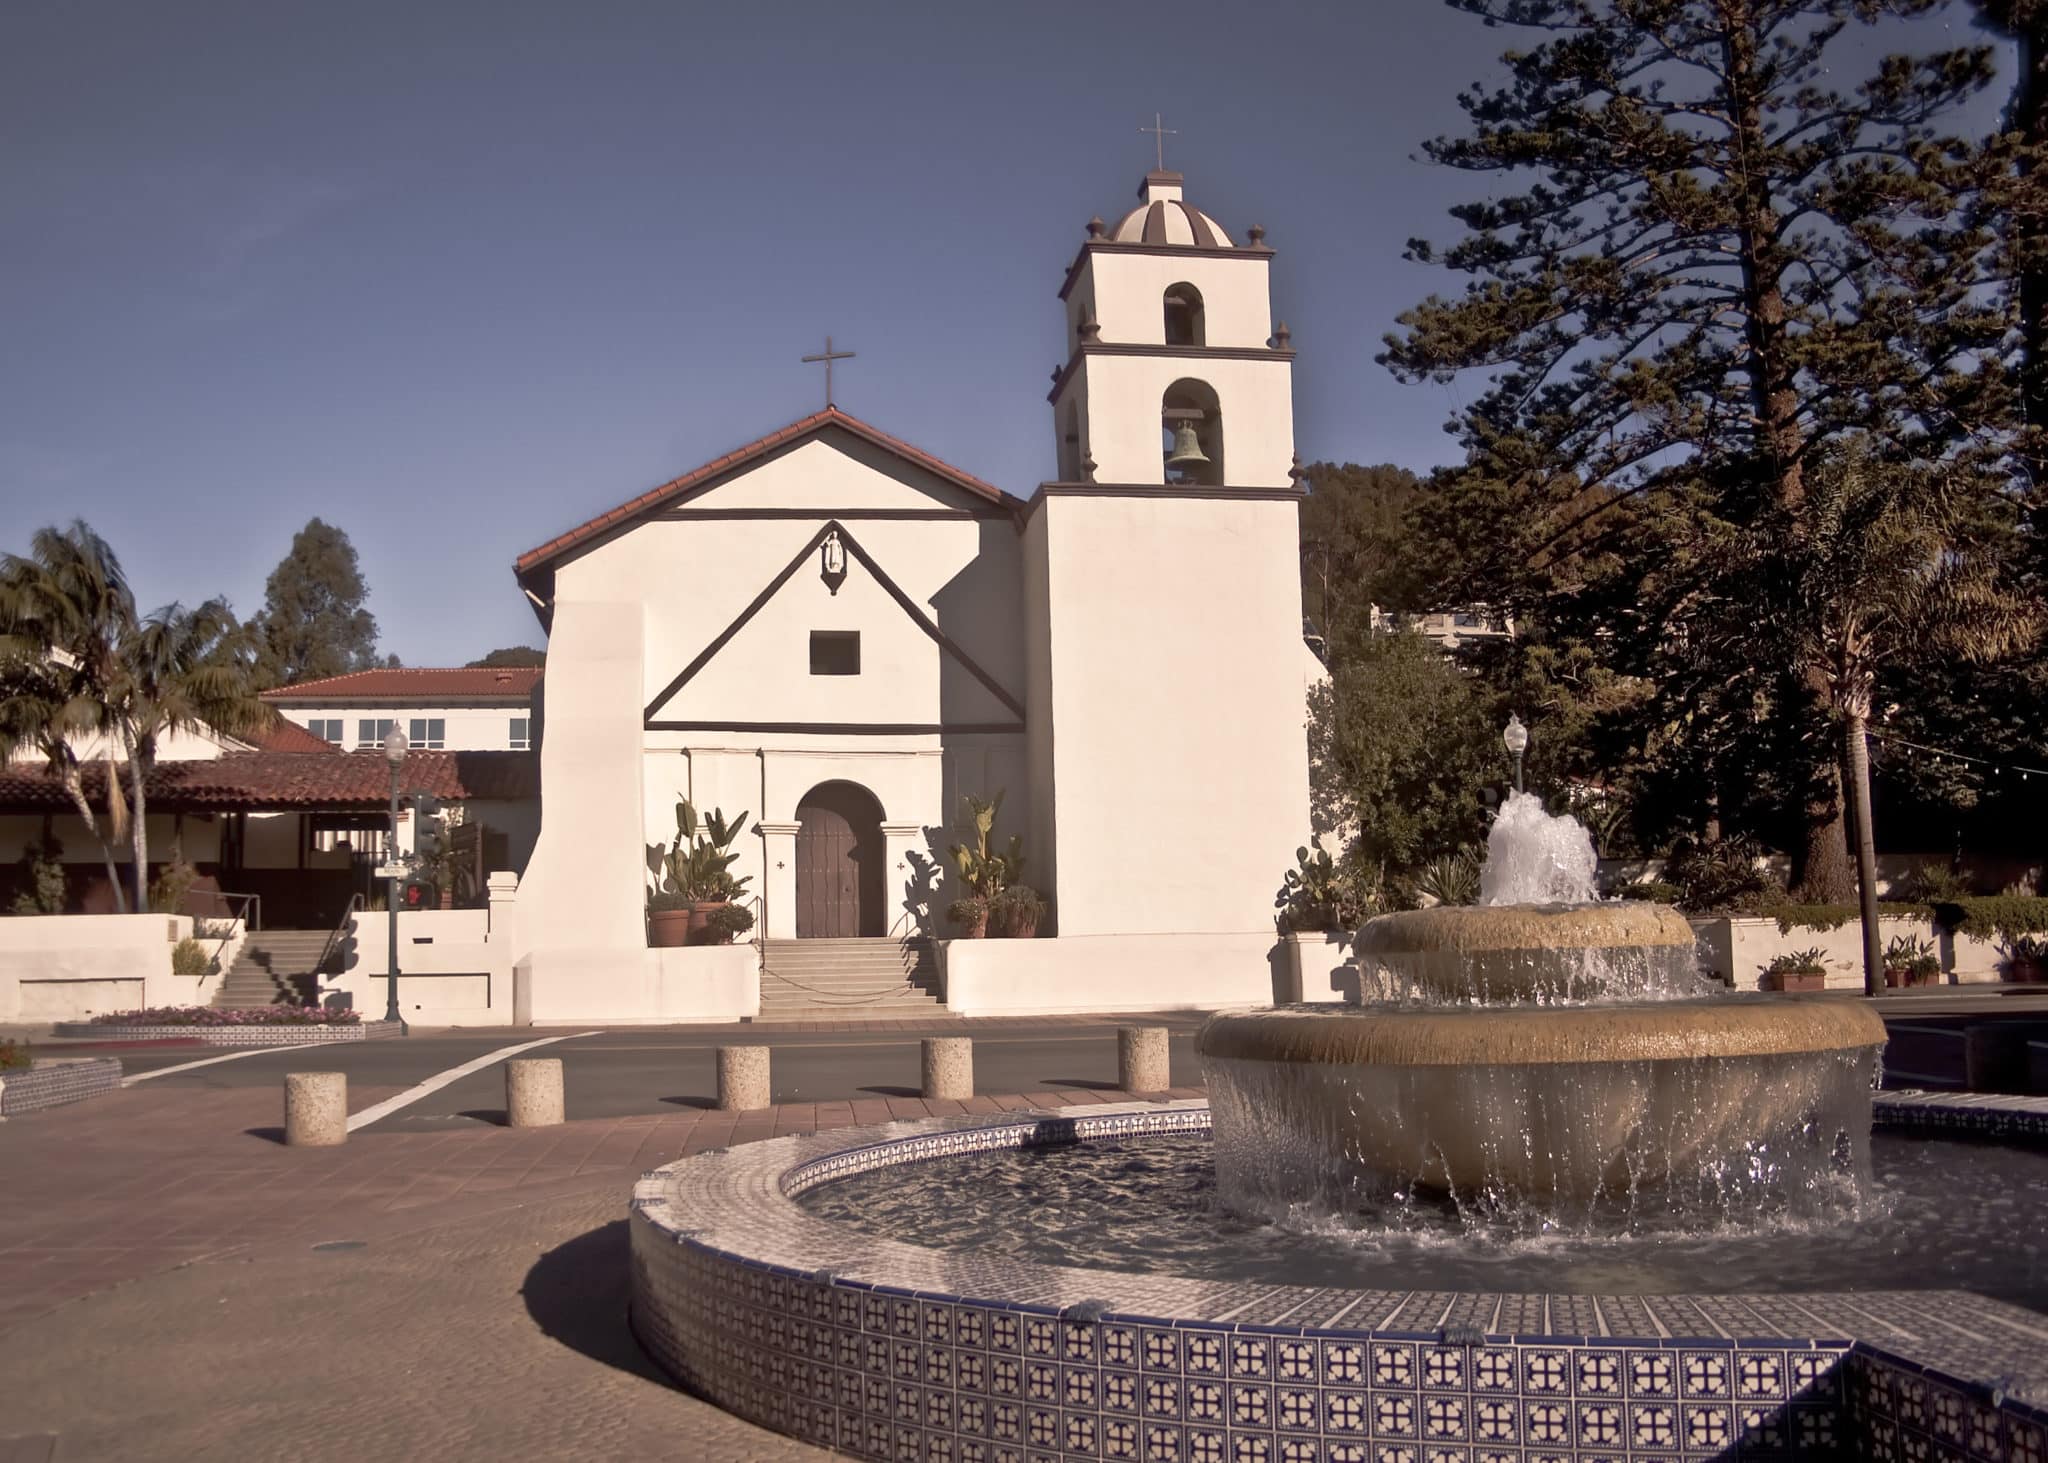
point(315, 1109)
point(1142, 1060)
point(742, 1077)
point(533, 1092)
point(949, 1067)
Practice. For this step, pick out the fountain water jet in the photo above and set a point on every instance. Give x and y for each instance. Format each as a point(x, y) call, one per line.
point(1545, 1049)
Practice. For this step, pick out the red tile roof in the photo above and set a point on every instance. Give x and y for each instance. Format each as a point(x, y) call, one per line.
point(418, 683)
point(555, 548)
point(289, 736)
point(274, 781)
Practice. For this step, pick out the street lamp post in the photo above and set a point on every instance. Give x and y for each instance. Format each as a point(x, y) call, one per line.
point(1516, 736)
point(394, 756)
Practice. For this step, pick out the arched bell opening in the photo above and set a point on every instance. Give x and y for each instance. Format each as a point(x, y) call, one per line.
point(1184, 315)
point(840, 864)
point(1191, 433)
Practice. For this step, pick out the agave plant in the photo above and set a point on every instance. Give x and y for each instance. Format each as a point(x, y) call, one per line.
point(696, 868)
point(1451, 878)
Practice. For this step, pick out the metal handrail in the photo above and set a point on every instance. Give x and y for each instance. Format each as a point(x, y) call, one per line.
point(348, 914)
point(250, 918)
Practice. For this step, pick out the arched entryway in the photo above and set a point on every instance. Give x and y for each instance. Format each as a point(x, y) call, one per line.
point(840, 860)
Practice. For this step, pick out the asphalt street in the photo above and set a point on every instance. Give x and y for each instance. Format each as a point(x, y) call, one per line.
point(615, 1073)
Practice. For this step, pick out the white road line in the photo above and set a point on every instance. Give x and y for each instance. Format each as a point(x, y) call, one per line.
point(439, 1080)
point(258, 1051)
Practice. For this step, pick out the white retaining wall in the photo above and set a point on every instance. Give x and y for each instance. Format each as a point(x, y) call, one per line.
point(694, 983)
point(67, 967)
point(1736, 949)
point(1077, 973)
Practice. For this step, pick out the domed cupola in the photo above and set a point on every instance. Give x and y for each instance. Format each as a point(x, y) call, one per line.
point(1165, 217)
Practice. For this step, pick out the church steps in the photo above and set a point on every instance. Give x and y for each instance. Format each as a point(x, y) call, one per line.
point(808, 980)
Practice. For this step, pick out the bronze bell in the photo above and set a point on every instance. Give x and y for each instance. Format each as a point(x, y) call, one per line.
point(1187, 449)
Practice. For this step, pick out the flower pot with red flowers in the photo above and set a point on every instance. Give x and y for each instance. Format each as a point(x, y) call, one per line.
point(1796, 970)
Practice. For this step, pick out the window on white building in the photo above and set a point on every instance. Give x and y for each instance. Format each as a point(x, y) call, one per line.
point(330, 729)
point(371, 731)
point(519, 739)
point(835, 652)
point(429, 732)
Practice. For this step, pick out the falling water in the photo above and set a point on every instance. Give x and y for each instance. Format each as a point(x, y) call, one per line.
point(1544, 1062)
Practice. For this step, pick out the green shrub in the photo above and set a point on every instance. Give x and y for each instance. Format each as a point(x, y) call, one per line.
point(42, 878)
point(1654, 890)
point(14, 1054)
point(189, 957)
point(1323, 894)
point(727, 923)
point(1798, 962)
point(2004, 917)
point(1451, 878)
point(1792, 917)
point(1722, 877)
point(1934, 884)
point(1913, 954)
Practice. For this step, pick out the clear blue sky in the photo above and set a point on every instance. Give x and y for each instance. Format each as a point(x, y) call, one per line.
point(458, 275)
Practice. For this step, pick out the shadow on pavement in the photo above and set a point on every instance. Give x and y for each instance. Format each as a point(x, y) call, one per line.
point(1088, 1082)
point(274, 1135)
point(495, 1116)
point(577, 1294)
point(892, 1091)
point(702, 1104)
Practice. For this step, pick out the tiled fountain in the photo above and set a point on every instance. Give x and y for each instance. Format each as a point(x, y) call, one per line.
point(1538, 1089)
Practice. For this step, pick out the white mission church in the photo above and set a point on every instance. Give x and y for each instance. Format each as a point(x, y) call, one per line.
point(842, 636)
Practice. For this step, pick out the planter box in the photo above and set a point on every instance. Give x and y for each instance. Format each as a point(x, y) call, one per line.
point(53, 1083)
point(233, 1035)
point(1794, 980)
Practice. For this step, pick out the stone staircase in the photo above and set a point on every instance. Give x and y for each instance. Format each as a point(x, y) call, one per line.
point(273, 967)
point(849, 980)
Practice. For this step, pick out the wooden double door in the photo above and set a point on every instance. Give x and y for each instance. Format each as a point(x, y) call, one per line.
point(840, 864)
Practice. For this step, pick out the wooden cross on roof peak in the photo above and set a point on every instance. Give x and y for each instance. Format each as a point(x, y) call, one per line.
point(828, 356)
point(1159, 136)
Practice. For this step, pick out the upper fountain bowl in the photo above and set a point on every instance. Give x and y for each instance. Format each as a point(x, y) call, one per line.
point(1494, 953)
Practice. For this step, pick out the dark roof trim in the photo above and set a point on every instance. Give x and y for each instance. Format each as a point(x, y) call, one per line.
point(1184, 352)
point(844, 728)
point(1259, 252)
point(536, 562)
point(820, 515)
point(1159, 490)
point(895, 591)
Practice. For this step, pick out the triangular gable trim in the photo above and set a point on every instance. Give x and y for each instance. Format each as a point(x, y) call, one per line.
point(909, 606)
point(698, 479)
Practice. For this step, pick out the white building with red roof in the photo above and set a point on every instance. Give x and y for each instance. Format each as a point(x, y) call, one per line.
point(467, 709)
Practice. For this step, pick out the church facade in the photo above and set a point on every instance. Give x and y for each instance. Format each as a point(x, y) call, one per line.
point(843, 637)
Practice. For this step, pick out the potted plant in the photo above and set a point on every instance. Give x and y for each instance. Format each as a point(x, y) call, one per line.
point(2026, 959)
point(1016, 911)
point(693, 877)
point(1910, 960)
point(985, 872)
point(726, 923)
point(971, 915)
point(1796, 970)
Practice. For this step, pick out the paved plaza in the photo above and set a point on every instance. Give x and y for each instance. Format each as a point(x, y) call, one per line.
point(440, 1284)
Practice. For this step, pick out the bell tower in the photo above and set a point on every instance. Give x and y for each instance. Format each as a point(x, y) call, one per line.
point(1167, 726)
point(1176, 370)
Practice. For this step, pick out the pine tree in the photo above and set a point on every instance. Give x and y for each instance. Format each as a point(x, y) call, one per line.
point(1703, 258)
point(313, 623)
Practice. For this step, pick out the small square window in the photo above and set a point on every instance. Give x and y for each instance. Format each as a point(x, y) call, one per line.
point(835, 652)
point(370, 732)
point(428, 732)
point(520, 741)
point(328, 729)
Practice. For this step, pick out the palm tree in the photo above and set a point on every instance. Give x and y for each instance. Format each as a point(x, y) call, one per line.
point(179, 670)
point(1887, 562)
point(65, 613)
point(40, 714)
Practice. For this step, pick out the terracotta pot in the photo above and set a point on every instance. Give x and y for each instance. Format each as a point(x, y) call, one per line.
point(1926, 977)
point(1023, 927)
point(2026, 971)
point(1896, 976)
point(1795, 980)
point(977, 928)
point(668, 928)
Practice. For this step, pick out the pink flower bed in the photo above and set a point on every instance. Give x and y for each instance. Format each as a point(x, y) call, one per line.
point(229, 1016)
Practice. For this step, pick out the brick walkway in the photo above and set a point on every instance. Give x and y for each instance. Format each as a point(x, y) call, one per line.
point(135, 1183)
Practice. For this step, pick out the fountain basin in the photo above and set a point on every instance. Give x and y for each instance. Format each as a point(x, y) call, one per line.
point(1528, 952)
point(1727, 1104)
